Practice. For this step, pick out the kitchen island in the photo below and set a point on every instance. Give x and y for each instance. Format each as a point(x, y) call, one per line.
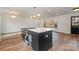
point(41, 38)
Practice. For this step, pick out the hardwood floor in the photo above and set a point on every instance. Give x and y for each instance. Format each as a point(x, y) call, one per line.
point(15, 43)
point(61, 42)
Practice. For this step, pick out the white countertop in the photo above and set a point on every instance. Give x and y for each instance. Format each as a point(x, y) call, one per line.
point(39, 30)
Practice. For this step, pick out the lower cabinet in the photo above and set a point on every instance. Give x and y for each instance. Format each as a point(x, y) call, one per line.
point(41, 41)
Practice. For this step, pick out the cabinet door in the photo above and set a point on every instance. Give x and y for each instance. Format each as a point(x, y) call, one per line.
point(45, 41)
point(35, 43)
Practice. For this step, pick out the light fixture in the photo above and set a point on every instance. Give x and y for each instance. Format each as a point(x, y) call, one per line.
point(33, 17)
point(37, 14)
point(13, 16)
point(14, 12)
point(76, 9)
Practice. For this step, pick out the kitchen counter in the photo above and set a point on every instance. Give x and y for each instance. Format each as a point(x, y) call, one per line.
point(40, 30)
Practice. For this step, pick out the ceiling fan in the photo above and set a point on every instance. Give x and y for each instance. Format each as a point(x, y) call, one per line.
point(76, 9)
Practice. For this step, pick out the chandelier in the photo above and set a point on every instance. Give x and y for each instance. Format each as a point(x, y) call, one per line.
point(37, 16)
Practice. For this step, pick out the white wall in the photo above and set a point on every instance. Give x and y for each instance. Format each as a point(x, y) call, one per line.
point(14, 25)
point(0, 28)
point(0, 24)
point(63, 22)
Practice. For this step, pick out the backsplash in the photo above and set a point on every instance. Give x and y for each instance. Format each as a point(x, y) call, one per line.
point(50, 24)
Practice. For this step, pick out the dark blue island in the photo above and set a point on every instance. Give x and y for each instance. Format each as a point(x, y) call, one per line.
point(41, 38)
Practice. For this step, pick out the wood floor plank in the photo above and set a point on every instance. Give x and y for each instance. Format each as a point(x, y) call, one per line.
point(61, 42)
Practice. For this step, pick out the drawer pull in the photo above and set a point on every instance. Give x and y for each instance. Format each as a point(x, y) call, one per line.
point(46, 36)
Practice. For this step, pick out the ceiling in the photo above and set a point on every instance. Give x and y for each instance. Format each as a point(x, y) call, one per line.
point(44, 11)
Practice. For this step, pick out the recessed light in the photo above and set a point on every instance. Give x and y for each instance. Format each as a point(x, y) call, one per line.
point(13, 16)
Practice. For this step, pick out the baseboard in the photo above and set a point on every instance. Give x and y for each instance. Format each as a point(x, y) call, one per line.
point(9, 32)
point(10, 35)
point(0, 37)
